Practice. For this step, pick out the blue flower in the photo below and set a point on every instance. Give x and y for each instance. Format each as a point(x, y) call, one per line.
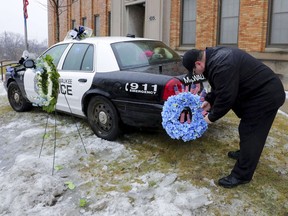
point(172, 109)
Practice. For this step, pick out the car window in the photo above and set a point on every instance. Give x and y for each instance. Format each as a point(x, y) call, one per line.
point(87, 64)
point(130, 54)
point(79, 57)
point(56, 52)
point(143, 53)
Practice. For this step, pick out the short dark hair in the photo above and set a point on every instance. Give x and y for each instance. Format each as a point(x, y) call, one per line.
point(190, 57)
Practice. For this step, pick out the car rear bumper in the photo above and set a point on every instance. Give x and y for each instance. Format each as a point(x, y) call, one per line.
point(139, 114)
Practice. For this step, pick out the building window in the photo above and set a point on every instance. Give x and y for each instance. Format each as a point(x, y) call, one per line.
point(188, 22)
point(109, 23)
point(229, 22)
point(97, 25)
point(278, 25)
point(73, 24)
point(84, 21)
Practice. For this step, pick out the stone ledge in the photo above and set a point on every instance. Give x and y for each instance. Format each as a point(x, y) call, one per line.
point(270, 54)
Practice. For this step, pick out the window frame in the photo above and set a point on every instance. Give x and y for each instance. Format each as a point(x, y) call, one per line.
point(96, 32)
point(220, 26)
point(182, 25)
point(84, 21)
point(73, 23)
point(109, 23)
point(269, 29)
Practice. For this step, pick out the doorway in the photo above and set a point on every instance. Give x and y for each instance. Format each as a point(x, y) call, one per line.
point(136, 19)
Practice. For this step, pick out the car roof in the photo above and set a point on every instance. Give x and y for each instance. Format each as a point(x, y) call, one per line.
point(106, 39)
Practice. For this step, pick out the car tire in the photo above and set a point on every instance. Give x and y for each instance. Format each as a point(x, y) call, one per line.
point(16, 99)
point(103, 118)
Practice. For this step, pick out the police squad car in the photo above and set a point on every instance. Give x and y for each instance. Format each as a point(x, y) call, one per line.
point(111, 81)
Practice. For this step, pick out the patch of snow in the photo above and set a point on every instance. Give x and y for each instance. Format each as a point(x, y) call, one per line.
point(2, 90)
point(27, 186)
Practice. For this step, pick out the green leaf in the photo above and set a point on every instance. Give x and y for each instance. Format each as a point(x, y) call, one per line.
point(70, 185)
point(83, 202)
point(58, 167)
point(45, 136)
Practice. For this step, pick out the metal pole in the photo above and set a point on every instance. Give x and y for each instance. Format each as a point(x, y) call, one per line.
point(25, 29)
point(1, 64)
point(25, 25)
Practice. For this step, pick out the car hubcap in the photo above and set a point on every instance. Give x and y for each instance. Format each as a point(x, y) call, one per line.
point(16, 97)
point(103, 117)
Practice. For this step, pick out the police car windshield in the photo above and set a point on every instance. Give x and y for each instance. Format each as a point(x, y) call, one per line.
point(134, 54)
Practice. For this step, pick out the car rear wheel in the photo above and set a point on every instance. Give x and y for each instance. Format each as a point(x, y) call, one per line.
point(16, 99)
point(103, 118)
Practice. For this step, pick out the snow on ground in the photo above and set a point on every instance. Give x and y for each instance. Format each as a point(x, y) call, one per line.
point(27, 186)
point(138, 175)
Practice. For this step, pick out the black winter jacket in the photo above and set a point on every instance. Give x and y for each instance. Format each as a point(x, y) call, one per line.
point(240, 82)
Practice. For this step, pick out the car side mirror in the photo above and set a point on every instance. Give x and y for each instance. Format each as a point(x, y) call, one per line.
point(29, 63)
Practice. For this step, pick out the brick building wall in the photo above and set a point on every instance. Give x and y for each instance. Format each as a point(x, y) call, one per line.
point(253, 17)
point(206, 23)
point(76, 10)
point(252, 29)
point(175, 22)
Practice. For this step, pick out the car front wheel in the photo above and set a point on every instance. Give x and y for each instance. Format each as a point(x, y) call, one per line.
point(16, 99)
point(103, 118)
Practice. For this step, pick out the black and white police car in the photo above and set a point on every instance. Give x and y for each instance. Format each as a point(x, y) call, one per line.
point(111, 81)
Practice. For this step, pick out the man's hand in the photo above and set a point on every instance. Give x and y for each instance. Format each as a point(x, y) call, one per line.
point(206, 106)
point(207, 119)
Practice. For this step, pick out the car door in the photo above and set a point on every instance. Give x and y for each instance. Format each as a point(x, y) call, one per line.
point(76, 76)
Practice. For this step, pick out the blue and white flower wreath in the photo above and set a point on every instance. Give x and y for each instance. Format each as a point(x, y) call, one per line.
point(180, 107)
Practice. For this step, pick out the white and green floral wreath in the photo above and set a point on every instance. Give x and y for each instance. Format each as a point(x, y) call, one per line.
point(47, 83)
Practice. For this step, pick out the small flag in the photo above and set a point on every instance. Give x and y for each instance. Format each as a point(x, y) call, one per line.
point(25, 4)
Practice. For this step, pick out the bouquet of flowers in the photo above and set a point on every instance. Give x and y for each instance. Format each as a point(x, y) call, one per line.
point(79, 34)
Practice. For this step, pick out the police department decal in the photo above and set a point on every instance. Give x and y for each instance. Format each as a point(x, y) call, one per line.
point(194, 78)
point(141, 88)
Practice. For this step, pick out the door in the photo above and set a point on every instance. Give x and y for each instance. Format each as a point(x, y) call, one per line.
point(76, 77)
point(136, 19)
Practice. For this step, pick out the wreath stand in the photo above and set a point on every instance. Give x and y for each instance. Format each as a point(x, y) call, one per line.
point(77, 34)
point(46, 75)
point(55, 136)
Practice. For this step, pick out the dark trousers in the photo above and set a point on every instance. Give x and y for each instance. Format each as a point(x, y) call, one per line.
point(253, 134)
point(257, 115)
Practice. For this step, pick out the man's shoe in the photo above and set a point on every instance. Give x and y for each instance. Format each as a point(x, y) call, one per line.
point(234, 154)
point(231, 181)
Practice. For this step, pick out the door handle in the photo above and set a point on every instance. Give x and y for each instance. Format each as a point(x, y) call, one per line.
point(82, 80)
